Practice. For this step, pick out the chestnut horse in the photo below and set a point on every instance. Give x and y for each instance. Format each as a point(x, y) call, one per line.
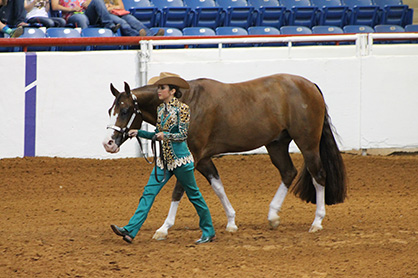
point(269, 111)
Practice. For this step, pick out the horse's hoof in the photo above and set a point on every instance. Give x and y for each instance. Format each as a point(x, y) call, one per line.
point(315, 229)
point(159, 235)
point(274, 222)
point(231, 228)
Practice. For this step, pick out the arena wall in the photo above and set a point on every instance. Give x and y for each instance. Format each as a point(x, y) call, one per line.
point(55, 103)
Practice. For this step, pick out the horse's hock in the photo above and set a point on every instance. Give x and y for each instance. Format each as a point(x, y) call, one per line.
point(56, 215)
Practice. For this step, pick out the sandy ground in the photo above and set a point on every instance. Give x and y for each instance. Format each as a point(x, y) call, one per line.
point(55, 215)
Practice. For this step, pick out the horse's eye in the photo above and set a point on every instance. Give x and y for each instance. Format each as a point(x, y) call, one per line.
point(124, 111)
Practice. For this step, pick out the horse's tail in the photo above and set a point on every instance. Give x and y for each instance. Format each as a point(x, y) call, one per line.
point(332, 162)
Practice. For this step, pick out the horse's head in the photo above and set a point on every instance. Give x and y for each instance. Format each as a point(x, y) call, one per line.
point(123, 113)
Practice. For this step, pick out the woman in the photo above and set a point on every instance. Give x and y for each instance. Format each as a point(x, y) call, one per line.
point(172, 126)
point(129, 24)
point(37, 12)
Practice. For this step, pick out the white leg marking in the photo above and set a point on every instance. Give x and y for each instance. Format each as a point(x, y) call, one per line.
point(276, 204)
point(218, 187)
point(162, 232)
point(320, 207)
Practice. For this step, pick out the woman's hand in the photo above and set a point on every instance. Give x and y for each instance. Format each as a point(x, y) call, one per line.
point(160, 136)
point(132, 133)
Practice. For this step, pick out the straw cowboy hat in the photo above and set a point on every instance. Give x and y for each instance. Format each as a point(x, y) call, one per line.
point(167, 78)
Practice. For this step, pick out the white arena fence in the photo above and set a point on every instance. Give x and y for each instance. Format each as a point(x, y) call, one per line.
point(55, 103)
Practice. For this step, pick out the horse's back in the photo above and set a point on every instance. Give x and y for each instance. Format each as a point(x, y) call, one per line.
point(252, 113)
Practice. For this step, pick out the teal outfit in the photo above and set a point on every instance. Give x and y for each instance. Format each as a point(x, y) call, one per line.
point(172, 119)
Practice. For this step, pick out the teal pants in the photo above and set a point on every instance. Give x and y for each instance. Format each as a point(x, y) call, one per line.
point(185, 175)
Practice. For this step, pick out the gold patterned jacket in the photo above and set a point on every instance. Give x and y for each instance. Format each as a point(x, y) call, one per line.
point(172, 119)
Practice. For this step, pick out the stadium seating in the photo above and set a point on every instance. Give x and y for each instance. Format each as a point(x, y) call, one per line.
point(99, 32)
point(358, 29)
point(264, 30)
point(362, 12)
point(169, 32)
point(411, 28)
point(268, 13)
point(232, 31)
point(144, 11)
point(388, 29)
point(300, 12)
point(173, 13)
point(206, 13)
point(199, 31)
point(63, 32)
point(393, 12)
point(238, 13)
point(332, 12)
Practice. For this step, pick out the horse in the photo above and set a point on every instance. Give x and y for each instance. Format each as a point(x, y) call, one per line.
point(269, 111)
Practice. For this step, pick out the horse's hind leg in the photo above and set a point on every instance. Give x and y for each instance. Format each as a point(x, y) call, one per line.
point(279, 155)
point(209, 171)
point(162, 232)
point(314, 166)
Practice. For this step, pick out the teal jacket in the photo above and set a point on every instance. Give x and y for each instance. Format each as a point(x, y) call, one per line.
point(173, 119)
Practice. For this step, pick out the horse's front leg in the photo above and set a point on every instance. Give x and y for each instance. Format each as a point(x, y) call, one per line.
point(275, 206)
point(209, 171)
point(320, 207)
point(162, 232)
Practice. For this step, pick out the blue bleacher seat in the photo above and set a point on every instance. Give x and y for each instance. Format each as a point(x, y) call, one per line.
point(169, 32)
point(301, 12)
point(269, 13)
point(238, 13)
point(232, 31)
point(32, 33)
point(297, 30)
point(362, 12)
point(206, 13)
point(388, 29)
point(264, 30)
point(63, 32)
point(411, 28)
point(326, 30)
point(358, 29)
point(144, 11)
point(174, 13)
point(332, 12)
point(393, 12)
point(99, 32)
point(200, 31)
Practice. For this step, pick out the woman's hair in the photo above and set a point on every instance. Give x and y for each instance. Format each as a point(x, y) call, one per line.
point(178, 93)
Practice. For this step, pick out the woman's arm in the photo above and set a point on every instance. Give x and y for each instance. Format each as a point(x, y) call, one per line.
point(183, 122)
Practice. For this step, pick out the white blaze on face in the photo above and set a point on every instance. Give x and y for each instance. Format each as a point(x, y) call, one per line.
point(108, 143)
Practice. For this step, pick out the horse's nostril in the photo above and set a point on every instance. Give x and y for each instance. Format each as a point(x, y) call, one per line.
point(110, 142)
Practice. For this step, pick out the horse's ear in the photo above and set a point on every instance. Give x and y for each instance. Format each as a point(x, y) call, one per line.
point(113, 90)
point(127, 89)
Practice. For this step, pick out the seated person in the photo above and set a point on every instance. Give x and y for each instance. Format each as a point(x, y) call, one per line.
point(13, 13)
point(82, 13)
point(129, 24)
point(37, 12)
point(13, 33)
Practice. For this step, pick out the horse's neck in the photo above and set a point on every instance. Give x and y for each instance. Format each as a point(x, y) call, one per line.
point(148, 103)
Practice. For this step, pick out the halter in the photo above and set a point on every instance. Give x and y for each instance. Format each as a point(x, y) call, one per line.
point(124, 131)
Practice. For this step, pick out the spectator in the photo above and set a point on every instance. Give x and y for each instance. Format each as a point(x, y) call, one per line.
point(129, 24)
point(13, 13)
point(37, 12)
point(13, 33)
point(84, 13)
